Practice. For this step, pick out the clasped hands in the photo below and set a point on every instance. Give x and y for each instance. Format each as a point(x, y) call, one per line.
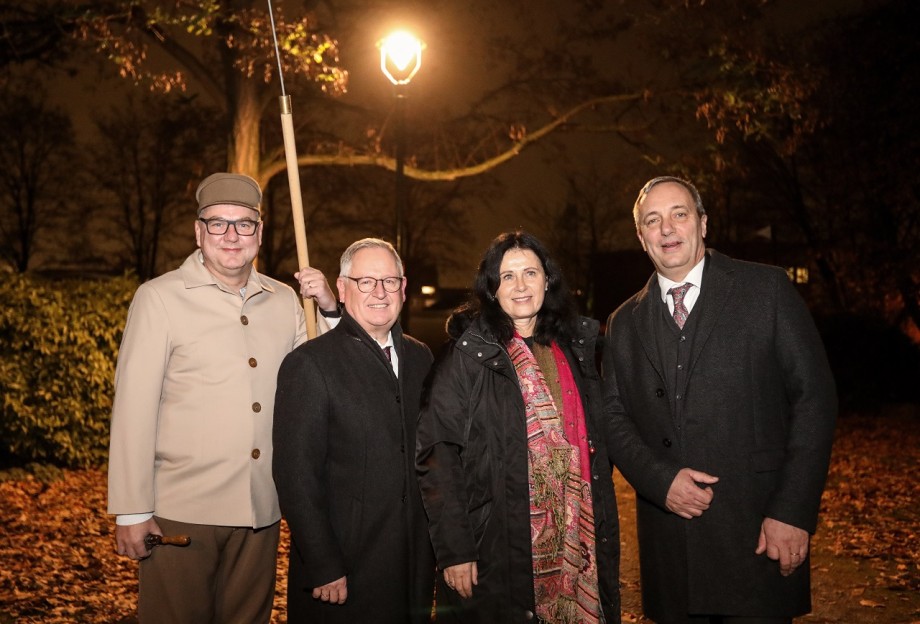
point(690, 495)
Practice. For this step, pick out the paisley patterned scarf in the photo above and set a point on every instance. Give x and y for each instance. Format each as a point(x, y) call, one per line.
point(561, 514)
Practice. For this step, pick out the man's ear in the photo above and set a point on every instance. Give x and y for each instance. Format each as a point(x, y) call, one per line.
point(641, 240)
point(199, 232)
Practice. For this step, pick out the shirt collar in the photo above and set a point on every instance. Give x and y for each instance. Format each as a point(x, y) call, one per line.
point(694, 277)
point(195, 274)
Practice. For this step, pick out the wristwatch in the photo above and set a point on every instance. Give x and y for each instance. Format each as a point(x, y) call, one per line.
point(337, 313)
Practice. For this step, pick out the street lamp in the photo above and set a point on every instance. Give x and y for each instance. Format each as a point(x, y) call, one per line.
point(400, 60)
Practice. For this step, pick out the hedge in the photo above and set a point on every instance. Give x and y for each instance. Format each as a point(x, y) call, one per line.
point(58, 346)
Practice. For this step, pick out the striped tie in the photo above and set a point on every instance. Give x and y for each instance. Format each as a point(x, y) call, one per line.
point(680, 310)
point(386, 352)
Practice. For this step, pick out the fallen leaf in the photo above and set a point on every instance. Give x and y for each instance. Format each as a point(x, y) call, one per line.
point(870, 603)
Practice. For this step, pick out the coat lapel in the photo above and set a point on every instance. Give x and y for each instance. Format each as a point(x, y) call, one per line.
point(357, 333)
point(645, 316)
point(718, 284)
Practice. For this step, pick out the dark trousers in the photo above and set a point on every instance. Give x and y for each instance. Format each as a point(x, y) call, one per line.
point(226, 575)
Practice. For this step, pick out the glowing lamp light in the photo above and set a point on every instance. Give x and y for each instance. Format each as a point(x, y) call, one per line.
point(428, 290)
point(400, 56)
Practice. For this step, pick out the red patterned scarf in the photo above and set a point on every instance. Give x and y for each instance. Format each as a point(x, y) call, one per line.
point(561, 514)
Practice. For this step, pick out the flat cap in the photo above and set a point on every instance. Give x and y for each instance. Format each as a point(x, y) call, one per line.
point(228, 188)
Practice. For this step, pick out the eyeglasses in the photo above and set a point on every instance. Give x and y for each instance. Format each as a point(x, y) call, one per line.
point(243, 227)
point(369, 284)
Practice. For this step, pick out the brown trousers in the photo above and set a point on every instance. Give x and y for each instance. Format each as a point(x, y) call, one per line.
point(226, 575)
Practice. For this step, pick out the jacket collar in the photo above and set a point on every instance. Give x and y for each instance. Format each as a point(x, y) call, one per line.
point(718, 282)
point(354, 331)
point(716, 291)
point(195, 274)
point(479, 344)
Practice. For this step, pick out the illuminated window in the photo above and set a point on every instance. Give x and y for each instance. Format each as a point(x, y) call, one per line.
point(797, 275)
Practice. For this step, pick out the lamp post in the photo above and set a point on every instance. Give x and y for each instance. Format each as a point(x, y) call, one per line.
point(400, 60)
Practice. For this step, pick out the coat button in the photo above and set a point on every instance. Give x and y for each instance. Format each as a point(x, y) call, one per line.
point(528, 615)
point(666, 442)
point(244, 320)
point(257, 407)
point(683, 339)
point(256, 453)
point(479, 354)
point(253, 363)
point(581, 341)
point(677, 397)
point(659, 392)
point(464, 343)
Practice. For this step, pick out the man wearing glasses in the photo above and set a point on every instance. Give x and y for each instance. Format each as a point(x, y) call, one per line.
point(191, 448)
point(344, 435)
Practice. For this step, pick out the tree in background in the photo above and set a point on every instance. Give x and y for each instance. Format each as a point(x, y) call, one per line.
point(594, 218)
point(342, 205)
point(514, 74)
point(821, 132)
point(225, 50)
point(151, 154)
point(866, 155)
point(38, 173)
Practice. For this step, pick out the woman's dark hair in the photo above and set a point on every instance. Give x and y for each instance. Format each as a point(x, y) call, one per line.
point(558, 316)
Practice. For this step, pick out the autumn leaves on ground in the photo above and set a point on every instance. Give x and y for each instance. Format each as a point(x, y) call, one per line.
point(57, 562)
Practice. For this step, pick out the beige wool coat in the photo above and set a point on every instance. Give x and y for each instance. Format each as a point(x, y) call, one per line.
point(191, 435)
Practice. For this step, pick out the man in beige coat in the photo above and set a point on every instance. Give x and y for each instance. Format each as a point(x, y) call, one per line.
point(191, 436)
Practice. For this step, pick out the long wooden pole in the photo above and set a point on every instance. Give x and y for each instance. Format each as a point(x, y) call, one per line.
point(300, 229)
point(293, 173)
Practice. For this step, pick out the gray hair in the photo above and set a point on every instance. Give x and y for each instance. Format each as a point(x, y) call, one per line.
point(697, 200)
point(367, 243)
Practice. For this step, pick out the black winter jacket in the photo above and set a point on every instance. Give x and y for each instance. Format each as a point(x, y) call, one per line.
point(472, 467)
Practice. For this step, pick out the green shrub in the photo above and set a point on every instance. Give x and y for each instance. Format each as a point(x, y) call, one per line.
point(58, 345)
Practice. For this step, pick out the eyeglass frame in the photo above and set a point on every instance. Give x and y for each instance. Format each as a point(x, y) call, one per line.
point(208, 222)
point(381, 280)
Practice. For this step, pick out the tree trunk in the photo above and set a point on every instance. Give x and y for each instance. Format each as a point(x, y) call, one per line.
point(245, 113)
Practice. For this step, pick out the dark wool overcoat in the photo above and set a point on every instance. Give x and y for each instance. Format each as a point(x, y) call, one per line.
point(344, 440)
point(472, 466)
point(754, 404)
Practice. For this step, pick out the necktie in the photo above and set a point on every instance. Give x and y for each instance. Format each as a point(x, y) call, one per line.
point(386, 352)
point(680, 310)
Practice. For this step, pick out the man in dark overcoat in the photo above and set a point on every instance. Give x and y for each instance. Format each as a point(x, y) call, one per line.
point(721, 410)
point(344, 434)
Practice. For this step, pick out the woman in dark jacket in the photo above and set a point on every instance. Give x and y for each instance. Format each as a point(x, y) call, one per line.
point(514, 475)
